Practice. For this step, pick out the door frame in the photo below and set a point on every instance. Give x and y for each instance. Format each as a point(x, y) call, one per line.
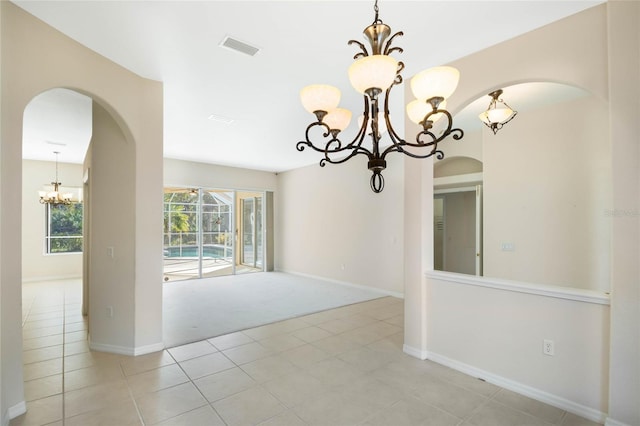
point(477, 189)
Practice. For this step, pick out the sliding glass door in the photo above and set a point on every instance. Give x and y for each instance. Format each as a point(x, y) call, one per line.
point(210, 232)
point(181, 234)
point(251, 231)
point(217, 234)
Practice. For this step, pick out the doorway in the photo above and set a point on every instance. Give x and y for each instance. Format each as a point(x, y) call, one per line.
point(457, 228)
point(250, 239)
point(212, 232)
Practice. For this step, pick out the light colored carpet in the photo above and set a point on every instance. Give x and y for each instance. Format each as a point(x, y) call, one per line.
point(200, 309)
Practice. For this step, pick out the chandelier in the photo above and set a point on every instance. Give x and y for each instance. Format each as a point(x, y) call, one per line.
point(374, 73)
point(498, 113)
point(54, 197)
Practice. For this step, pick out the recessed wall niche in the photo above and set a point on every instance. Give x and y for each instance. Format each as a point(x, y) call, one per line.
point(545, 187)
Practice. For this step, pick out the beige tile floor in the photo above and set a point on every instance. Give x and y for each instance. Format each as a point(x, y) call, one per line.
point(344, 366)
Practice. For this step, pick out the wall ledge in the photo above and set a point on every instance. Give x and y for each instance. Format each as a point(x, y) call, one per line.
point(51, 278)
point(557, 292)
point(17, 410)
point(522, 389)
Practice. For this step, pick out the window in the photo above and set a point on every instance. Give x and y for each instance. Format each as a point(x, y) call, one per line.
point(63, 228)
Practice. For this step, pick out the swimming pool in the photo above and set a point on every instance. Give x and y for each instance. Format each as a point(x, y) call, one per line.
point(193, 251)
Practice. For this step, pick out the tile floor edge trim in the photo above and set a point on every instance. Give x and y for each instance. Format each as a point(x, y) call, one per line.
point(16, 410)
point(522, 389)
point(382, 291)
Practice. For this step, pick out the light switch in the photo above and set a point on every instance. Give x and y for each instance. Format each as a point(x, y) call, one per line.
point(508, 247)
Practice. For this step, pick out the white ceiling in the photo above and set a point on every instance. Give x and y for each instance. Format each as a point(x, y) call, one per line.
point(302, 42)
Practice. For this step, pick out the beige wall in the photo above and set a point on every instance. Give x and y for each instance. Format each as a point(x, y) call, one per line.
point(4, 340)
point(624, 100)
point(111, 278)
point(495, 334)
point(579, 56)
point(331, 225)
point(36, 58)
point(36, 265)
point(188, 173)
point(546, 191)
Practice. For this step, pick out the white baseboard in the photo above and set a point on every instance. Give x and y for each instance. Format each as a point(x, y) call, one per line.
point(148, 349)
point(126, 350)
point(522, 389)
point(17, 410)
point(414, 352)
point(611, 422)
point(113, 349)
point(347, 284)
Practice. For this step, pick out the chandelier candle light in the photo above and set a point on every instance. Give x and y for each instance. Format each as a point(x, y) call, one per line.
point(373, 73)
point(54, 197)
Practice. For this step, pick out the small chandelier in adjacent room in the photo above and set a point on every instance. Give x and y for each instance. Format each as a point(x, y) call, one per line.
point(372, 74)
point(498, 113)
point(54, 197)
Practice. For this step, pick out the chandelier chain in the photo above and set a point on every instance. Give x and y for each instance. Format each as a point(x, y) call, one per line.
point(56, 152)
point(376, 9)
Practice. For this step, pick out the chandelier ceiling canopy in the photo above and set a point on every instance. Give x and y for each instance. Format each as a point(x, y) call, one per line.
point(374, 73)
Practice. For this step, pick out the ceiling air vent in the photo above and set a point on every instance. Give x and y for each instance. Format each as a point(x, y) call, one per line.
point(239, 46)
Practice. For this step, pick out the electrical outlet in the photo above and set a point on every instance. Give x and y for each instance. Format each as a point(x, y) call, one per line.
point(109, 312)
point(548, 348)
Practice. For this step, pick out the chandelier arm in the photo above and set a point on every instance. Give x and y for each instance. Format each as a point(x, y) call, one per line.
point(398, 79)
point(362, 47)
point(334, 145)
point(387, 46)
point(353, 153)
point(512, 115)
point(398, 148)
point(300, 146)
point(439, 154)
point(456, 134)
